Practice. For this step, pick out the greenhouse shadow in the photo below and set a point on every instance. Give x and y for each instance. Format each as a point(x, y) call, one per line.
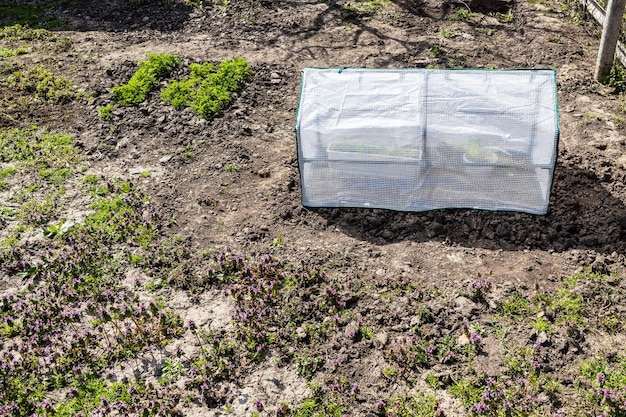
point(583, 215)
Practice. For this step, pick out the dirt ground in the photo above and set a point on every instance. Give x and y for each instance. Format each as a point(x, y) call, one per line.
point(248, 208)
point(587, 220)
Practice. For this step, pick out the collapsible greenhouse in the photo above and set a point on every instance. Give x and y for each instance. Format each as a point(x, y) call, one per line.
point(422, 139)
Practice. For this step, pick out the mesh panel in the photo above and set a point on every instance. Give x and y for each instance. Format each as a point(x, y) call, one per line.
point(415, 140)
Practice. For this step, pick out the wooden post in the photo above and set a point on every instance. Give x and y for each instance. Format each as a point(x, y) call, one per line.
point(610, 36)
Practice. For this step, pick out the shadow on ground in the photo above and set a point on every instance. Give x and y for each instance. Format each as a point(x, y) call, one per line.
point(583, 215)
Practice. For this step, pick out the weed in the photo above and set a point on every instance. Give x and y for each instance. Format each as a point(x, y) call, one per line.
point(505, 17)
point(195, 3)
point(220, 5)
point(389, 372)
point(605, 383)
point(502, 396)
point(187, 153)
point(367, 332)
point(145, 79)
point(105, 112)
point(308, 366)
point(37, 147)
point(8, 52)
point(542, 325)
point(43, 84)
point(435, 51)
point(616, 78)
point(278, 241)
point(22, 33)
point(480, 288)
point(53, 230)
point(367, 7)
point(514, 306)
point(231, 167)
point(455, 62)
point(417, 405)
point(446, 32)
point(463, 14)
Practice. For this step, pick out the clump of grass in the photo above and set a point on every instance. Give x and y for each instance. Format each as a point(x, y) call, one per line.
point(145, 79)
point(105, 112)
point(503, 395)
point(418, 405)
point(38, 15)
point(37, 147)
point(23, 33)
point(8, 52)
point(43, 84)
point(606, 385)
point(207, 91)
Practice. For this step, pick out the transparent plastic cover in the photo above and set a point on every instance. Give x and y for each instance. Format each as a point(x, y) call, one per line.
point(421, 139)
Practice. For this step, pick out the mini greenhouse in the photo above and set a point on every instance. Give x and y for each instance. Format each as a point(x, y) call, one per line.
point(424, 139)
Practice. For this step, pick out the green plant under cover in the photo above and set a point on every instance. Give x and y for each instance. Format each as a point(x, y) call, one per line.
point(207, 91)
point(145, 79)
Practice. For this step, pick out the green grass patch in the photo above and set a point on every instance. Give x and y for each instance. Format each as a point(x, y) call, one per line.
point(605, 382)
point(37, 15)
point(18, 32)
point(208, 91)
point(36, 146)
point(145, 79)
point(8, 52)
point(105, 112)
point(418, 405)
point(367, 7)
point(43, 85)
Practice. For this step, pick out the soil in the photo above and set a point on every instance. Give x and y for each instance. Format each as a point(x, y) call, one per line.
point(248, 209)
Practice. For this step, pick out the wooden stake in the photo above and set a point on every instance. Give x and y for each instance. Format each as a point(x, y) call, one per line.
point(610, 35)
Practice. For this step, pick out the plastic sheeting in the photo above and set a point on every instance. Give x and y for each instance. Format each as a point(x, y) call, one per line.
point(422, 139)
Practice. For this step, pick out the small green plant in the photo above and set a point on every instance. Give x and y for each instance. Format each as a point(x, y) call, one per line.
point(605, 382)
point(145, 79)
point(418, 405)
point(220, 5)
point(207, 91)
point(53, 230)
point(18, 32)
point(43, 84)
point(463, 14)
point(435, 51)
point(308, 366)
point(367, 332)
point(514, 306)
point(446, 32)
point(231, 167)
point(195, 3)
point(8, 52)
point(171, 371)
point(542, 325)
point(505, 17)
point(432, 381)
point(389, 372)
point(105, 112)
point(278, 241)
point(366, 6)
point(616, 78)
